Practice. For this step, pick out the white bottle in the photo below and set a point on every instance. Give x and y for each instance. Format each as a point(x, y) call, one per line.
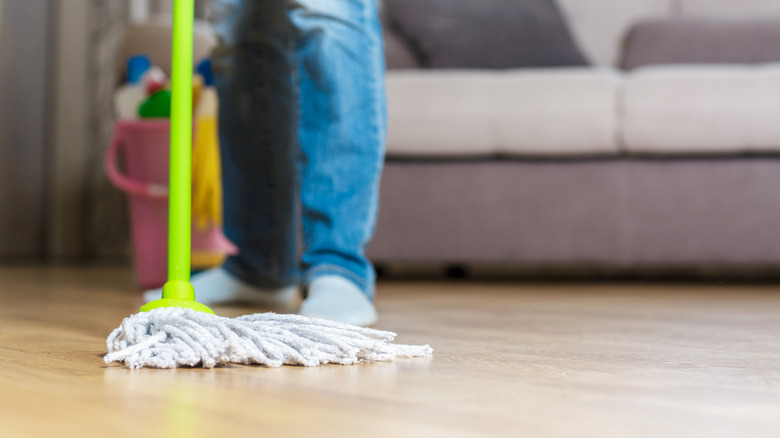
point(129, 97)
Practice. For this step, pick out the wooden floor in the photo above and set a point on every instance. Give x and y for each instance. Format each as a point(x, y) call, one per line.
point(514, 360)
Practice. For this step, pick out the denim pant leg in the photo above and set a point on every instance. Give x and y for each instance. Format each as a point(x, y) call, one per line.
point(254, 69)
point(342, 134)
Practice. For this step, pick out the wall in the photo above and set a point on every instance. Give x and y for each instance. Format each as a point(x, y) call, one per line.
point(142, 9)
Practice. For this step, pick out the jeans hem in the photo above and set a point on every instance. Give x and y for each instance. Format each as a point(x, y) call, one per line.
point(248, 277)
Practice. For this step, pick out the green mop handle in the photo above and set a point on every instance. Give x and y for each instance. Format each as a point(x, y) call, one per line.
point(180, 201)
point(178, 290)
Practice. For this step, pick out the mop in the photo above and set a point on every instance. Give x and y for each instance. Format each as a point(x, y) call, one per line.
point(177, 330)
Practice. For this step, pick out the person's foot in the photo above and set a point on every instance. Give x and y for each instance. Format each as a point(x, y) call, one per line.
point(216, 286)
point(337, 299)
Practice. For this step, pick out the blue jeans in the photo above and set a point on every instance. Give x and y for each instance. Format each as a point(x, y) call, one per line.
point(302, 130)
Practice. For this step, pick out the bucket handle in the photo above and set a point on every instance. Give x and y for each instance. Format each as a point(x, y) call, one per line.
point(124, 182)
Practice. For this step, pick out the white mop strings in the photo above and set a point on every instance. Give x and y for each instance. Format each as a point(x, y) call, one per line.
point(173, 336)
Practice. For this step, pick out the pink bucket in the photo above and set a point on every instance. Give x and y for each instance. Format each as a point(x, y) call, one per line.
point(144, 148)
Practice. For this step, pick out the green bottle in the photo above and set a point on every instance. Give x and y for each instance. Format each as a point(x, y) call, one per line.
point(157, 105)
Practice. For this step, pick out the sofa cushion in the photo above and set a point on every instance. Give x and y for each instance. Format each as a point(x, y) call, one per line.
point(702, 109)
point(679, 41)
point(485, 33)
point(398, 54)
point(729, 8)
point(470, 113)
point(442, 113)
point(599, 26)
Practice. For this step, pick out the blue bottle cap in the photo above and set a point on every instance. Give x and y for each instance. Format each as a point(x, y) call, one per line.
point(136, 67)
point(204, 69)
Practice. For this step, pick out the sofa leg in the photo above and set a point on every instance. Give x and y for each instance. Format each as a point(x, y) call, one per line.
point(456, 271)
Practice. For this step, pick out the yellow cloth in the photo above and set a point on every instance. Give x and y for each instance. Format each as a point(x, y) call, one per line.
point(206, 175)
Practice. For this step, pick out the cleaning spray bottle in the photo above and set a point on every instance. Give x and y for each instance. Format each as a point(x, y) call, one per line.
point(129, 96)
point(158, 102)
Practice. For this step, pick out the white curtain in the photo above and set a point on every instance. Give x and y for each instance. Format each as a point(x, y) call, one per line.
point(24, 43)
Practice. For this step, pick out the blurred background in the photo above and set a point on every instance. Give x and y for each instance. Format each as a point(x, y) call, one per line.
point(59, 72)
point(539, 137)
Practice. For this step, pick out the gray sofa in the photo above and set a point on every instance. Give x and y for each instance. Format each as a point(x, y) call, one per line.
point(662, 155)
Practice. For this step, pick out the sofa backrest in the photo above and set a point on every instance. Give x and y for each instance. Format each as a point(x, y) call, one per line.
point(601, 25)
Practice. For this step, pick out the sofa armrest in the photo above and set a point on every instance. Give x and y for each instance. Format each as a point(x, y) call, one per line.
point(701, 40)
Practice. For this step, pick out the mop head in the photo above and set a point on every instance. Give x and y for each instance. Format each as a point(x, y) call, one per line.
point(171, 337)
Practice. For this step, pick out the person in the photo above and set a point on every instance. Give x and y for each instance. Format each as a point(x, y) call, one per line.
point(302, 134)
